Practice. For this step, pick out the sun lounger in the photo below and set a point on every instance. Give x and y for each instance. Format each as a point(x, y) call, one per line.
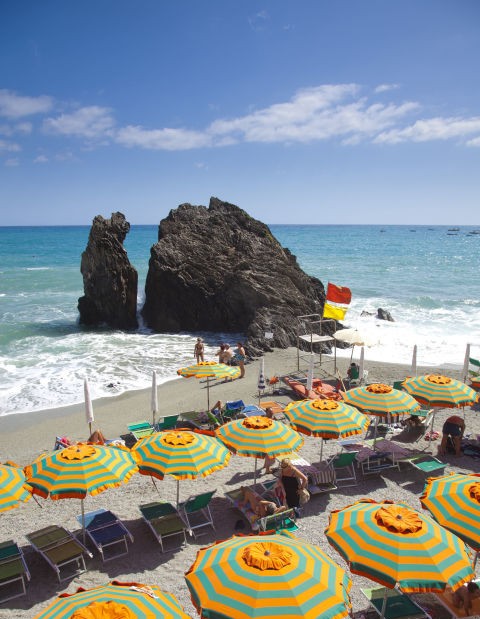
point(164, 521)
point(141, 429)
point(393, 604)
point(277, 409)
point(446, 600)
point(13, 568)
point(107, 532)
point(281, 520)
point(59, 548)
point(319, 389)
point(196, 513)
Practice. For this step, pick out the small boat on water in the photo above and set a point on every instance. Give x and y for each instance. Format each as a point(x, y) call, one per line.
point(453, 229)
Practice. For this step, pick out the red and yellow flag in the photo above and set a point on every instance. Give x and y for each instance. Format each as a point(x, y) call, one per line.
point(337, 301)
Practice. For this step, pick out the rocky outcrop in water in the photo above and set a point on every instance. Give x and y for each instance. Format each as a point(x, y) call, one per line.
point(218, 269)
point(109, 280)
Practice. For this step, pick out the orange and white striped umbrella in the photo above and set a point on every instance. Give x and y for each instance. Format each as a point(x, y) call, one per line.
point(397, 546)
point(454, 502)
point(13, 487)
point(126, 600)
point(267, 577)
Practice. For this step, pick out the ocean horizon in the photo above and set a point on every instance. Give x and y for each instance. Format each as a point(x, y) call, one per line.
point(425, 276)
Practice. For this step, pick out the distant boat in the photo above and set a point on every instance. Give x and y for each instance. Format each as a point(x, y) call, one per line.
point(453, 229)
point(382, 230)
point(412, 230)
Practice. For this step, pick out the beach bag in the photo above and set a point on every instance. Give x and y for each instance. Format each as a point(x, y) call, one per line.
point(304, 495)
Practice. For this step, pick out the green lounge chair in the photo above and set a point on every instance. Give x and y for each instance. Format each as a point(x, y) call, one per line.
point(393, 604)
point(196, 513)
point(164, 521)
point(344, 466)
point(13, 568)
point(286, 520)
point(141, 429)
point(60, 548)
point(169, 422)
point(107, 532)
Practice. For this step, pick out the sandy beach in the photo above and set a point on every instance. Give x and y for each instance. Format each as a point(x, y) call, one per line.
point(25, 436)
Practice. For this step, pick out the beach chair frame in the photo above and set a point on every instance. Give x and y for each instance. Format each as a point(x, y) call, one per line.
point(140, 429)
point(107, 533)
point(60, 548)
point(196, 513)
point(393, 604)
point(164, 521)
point(13, 568)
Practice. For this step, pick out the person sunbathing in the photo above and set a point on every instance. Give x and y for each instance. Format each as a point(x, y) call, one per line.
point(97, 438)
point(259, 506)
point(465, 595)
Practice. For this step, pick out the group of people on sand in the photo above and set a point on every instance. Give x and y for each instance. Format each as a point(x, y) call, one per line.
point(224, 353)
point(292, 482)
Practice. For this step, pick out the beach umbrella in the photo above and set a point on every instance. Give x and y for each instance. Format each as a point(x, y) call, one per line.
point(395, 545)
point(258, 437)
point(466, 364)
point(79, 470)
point(88, 405)
point(265, 576)
point(361, 365)
point(414, 361)
point(454, 502)
point(208, 370)
point(261, 379)
point(440, 391)
point(180, 453)
point(13, 487)
point(115, 600)
point(327, 419)
point(311, 369)
point(380, 400)
point(154, 398)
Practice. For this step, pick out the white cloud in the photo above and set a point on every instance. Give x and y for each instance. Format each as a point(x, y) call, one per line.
point(162, 139)
point(315, 114)
point(41, 159)
point(9, 147)
point(474, 142)
point(13, 162)
point(431, 129)
point(16, 106)
point(386, 87)
point(90, 122)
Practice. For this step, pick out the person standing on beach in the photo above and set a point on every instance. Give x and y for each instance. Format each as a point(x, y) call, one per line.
point(239, 357)
point(227, 355)
point(199, 350)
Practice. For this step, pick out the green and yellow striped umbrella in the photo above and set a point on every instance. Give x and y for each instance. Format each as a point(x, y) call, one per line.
point(117, 599)
point(259, 436)
point(396, 546)
point(13, 487)
point(79, 470)
point(208, 370)
point(454, 502)
point(380, 399)
point(440, 391)
point(327, 419)
point(180, 453)
point(267, 577)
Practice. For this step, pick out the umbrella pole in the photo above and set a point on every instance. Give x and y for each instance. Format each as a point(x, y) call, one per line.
point(208, 393)
point(375, 434)
point(178, 492)
point(255, 473)
point(321, 450)
point(83, 523)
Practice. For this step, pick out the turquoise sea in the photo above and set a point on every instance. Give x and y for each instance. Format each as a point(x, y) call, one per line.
point(426, 276)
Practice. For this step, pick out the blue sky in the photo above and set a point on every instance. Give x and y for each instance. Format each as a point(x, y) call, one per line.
point(339, 111)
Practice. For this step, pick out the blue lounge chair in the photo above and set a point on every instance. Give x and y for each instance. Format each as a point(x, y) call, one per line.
point(107, 532)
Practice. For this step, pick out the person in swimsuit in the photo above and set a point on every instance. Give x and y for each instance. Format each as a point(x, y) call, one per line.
point(293, 480)
point(240, 357)
point(199, 350)
point(454, 427)
point(259, 506)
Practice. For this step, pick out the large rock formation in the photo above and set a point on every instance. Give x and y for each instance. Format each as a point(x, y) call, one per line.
point(218, 269)
point(109, 280)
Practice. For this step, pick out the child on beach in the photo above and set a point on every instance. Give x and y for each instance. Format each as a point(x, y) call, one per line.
point(199, 350)
point(465, 595)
